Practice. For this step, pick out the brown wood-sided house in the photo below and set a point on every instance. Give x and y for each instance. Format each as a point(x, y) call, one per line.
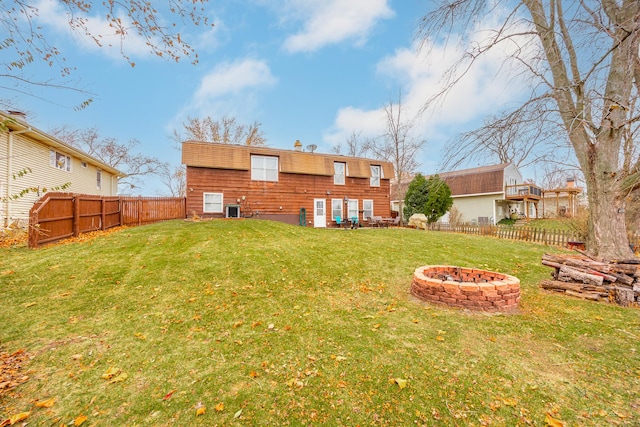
point(292, 186)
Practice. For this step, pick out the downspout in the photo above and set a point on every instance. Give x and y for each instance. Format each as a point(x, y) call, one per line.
point(10, 171)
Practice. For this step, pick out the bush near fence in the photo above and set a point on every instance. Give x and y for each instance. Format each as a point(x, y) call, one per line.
point(527, 234)
point(57, 216)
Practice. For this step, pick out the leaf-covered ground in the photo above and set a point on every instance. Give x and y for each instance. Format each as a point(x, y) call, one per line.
point(260, 323)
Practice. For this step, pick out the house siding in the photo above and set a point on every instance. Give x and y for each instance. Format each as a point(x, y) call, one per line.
point(28, 153)
point(281, 200)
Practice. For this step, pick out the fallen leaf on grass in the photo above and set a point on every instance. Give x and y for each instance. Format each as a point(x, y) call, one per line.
point(237, 414)
point(16, 418)
point(402, 383)
point(440, 338)
point(509, 401)
point(29, 304)
point(120, 378)
point(115, 375)
point(168, 395)
point(552, 422)
point(111, 372)
point(140, 335)
point(46, 403)
point(201, 410)
point(79, 420)
point(219, 407)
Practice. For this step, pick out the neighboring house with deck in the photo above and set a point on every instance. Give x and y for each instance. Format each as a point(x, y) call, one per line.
point(291, 186)
point(32, 159)
point(487, 194)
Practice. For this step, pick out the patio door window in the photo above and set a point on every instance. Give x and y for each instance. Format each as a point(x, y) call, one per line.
point(353, 208)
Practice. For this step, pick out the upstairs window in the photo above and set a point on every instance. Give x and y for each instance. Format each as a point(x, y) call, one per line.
point(339, 170)
point(264, 168)
point(374, 181)
point(99, 179)
point(59, 160)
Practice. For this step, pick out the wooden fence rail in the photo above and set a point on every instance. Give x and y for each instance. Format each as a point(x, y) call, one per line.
point(528, 234)
point(57, 216)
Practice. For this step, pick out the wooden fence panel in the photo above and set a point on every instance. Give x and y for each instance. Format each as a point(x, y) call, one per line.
point(528, 234)
point(57, 216)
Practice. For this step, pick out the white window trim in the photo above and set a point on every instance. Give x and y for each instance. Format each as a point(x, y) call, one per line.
point(339, 179)
point(364, 213)
point(379, 176)
point(338, 202)
point(204, 202)
point(261, 173)
point(350, 209)
point(53, 157)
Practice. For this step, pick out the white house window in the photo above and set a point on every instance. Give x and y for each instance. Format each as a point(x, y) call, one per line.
point(59, 160)
point(367, 208)
point(375, 176)
point(336, 208)
point(99, 179)
point(264, 168)
point(83, 164)
point(339, 169)
point(353, 208)
point(212, 203)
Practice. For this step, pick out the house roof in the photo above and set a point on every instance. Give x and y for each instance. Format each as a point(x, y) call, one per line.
point(15, 124)
point(238, 157)
point(480, 180)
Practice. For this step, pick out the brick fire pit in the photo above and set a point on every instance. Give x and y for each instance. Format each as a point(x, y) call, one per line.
point(466, 288)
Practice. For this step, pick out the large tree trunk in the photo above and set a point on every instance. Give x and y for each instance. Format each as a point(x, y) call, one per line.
point(597, 145)
point(607, 233)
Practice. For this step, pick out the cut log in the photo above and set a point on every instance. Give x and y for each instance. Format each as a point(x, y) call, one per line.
point(624, 297)
point(585, 295)
point(556, 285)
point(568, 274)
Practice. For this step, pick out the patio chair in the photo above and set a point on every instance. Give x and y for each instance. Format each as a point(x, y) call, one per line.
point(354, 222)
point(338, 221)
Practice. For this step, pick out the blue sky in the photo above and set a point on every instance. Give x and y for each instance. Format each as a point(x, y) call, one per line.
point(313, 70)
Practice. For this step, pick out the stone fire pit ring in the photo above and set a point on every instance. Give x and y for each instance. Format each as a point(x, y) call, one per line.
point(469, 288)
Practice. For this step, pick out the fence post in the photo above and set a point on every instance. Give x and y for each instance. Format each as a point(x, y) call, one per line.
point(139, 210)
point(34, 230)
point(76, 215)
point(103, 214)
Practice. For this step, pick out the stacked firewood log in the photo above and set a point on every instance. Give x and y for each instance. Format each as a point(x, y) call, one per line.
point(581, 276)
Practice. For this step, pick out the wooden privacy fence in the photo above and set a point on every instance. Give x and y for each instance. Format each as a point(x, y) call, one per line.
point(528, 234)
point(57, 216)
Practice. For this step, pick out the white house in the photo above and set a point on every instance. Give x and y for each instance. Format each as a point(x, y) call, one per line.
point(487, 194)
point(31, 159)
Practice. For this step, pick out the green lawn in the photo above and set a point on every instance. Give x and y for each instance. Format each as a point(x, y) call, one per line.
point(261, 323)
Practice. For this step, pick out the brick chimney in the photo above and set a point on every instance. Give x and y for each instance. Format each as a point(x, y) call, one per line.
point(297, 145)
point(571, 182)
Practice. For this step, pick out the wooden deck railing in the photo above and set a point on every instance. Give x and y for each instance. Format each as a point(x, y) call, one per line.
point(57, 216)
point(521, 191)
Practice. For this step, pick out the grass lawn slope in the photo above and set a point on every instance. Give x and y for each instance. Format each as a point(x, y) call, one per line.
point(260, 323)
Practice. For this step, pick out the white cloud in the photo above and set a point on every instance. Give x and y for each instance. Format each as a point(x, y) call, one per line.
point(230, 89)
point(334, 21)
point(485, 88)
point(235, 77)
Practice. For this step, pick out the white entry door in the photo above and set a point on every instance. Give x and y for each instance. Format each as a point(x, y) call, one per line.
point(319, 213)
